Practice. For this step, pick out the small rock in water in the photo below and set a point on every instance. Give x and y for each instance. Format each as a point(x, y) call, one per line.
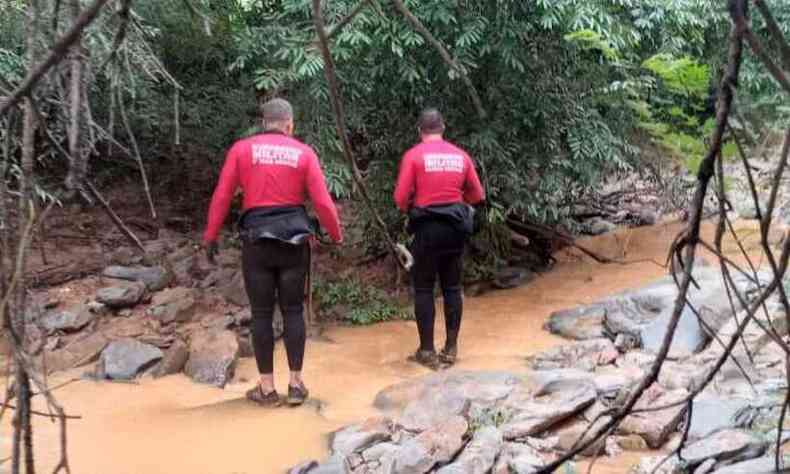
point(124, 359)
point(512, 277)
point(212, 357)
point(598, 226)
point(584, 322)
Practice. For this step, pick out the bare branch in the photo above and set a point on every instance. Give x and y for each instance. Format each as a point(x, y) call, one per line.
point(57, 52)
point(337, 105)
point(452, 63)
point(130, 133)
point(757, 49)
point(347, 19)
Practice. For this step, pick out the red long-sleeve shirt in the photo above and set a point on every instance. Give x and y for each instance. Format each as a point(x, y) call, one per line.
point(437, 172)
point(272, 169)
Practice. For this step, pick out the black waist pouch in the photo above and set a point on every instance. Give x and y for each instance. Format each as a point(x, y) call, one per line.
point(289, 224)
point(458, 215)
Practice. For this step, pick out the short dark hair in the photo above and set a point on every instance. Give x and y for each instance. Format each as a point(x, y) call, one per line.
point(276, 112)
point(431, 121)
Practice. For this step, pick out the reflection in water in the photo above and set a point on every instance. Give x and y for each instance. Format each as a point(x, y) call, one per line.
point(174, 426)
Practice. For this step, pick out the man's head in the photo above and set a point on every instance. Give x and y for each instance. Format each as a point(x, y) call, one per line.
point(278, 115)
point(430, 122)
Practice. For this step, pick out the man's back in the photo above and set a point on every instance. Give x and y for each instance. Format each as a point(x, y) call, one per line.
point(437, 172)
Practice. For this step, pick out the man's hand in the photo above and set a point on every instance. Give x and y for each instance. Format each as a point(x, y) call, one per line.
point(212, 249)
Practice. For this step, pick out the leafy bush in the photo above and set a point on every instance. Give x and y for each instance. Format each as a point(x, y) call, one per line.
point(357, 303)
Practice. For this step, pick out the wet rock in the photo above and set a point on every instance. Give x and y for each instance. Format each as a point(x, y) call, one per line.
point(212, 357)
point(155, 278)
point(681, 375)
point(437, 445)
point(598, 226)
point(173, 305)
point(554, 403)
point(483, 386)
point(631, 442)
point(512, 277)
point(753, 466)
point(124, 359)
point(304, 468)
point(218, 277)
point(584, 322)
point(585, 355)
point(712, 414)
point(519, 459)
point(568, 436)
point(726, 445)
point(72, 319)
point(655, 427)
point(647, 465)
point(79, 352)
point(245, 346)
point(234, 291)
point(174, 359)
point(479, 455)
point(358, 437)
point(121, 296)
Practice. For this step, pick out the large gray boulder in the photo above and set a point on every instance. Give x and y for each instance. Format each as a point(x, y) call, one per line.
point(213, 356)
point(154, 278)
point(536, 413)
point(121, 296)
point(479, 455)
point(643, 314)
point(124, 359)
point(729, 445)
point(586, 355)
point(754, 466)
point(711, 414)
point(424, 401)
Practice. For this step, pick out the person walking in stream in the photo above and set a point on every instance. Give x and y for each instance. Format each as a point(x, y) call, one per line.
point(276, 174)
point(437, 185)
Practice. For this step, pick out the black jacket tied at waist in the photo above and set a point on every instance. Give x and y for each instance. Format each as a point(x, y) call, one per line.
point(289, 224)
point(459, 215)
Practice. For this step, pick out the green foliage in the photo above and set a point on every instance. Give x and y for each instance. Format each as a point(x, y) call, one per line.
point(358, 303)
point(683, 76)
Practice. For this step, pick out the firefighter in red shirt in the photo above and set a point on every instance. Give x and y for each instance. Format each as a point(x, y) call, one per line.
point(437, 184)
point(276, 173)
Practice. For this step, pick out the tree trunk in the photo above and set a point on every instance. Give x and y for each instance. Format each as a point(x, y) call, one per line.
point(77, 168)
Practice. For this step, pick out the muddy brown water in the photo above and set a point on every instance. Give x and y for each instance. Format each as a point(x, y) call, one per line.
point(172, 425)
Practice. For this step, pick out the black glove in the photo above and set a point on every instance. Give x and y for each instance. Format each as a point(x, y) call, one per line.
point(212, 249)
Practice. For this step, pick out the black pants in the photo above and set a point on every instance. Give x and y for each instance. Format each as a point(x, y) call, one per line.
point(438, 251)
point(275, 271)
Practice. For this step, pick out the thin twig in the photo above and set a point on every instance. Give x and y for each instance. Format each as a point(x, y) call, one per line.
point(340, 122)
point(452, 63)
point(776, 32)
point(117, 220)
point(130, 133)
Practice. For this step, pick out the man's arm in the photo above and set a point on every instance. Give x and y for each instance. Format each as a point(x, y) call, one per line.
point(322, 201)
point(405, 186)
point(223, 195)
point(473, 190)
